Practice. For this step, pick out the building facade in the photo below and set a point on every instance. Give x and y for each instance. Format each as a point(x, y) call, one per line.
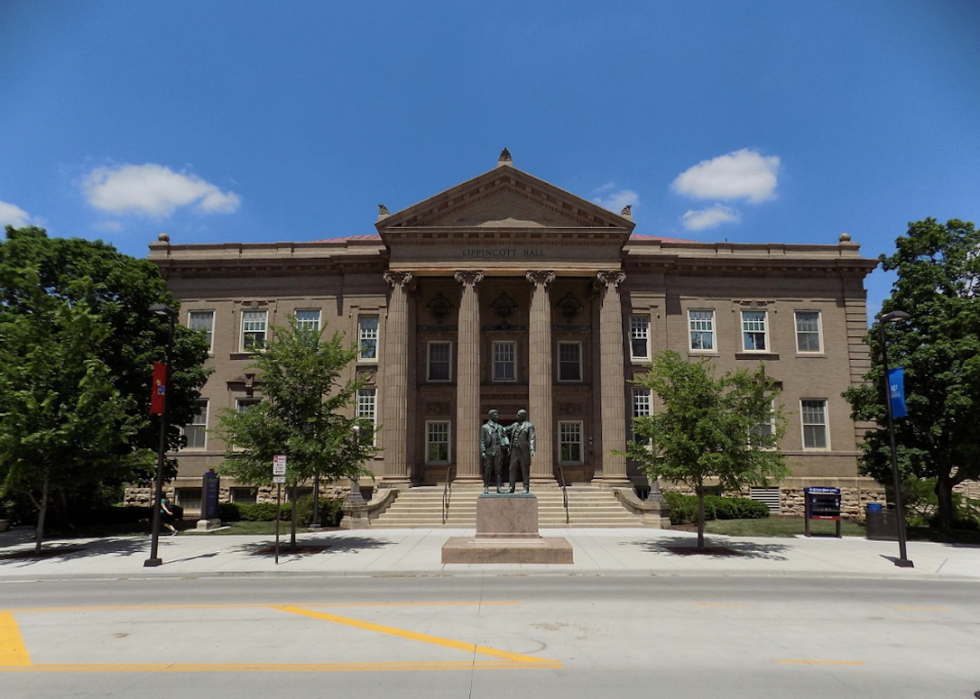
point(507, 292)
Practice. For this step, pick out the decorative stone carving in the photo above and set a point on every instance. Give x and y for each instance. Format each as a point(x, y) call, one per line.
point(439, 307)
point(401, 279)
point(504, 157)
point(383, 211)
point(627, 211)
point(570, 307)
point(504, 306)
point(436, 408)
point(844, 238)
point(611, 278)
point(540, 278)
point(469, 277)
point(368, 376)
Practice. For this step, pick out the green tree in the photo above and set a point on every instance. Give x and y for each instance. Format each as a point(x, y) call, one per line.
point(301, 415)
point(938, 271)
point(709, 428)
point(76, 333)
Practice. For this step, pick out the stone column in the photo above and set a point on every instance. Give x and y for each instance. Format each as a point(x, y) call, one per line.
point(541, 376)
point(468, 467)
point(394, 386)
point(612, 379)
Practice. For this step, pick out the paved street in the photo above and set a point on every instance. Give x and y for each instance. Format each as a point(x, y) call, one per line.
point(490, 635)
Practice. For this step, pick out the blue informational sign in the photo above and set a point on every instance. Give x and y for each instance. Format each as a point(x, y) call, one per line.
point(896, 391)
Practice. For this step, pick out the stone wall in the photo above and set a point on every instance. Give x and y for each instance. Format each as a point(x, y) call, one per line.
point(143, 495)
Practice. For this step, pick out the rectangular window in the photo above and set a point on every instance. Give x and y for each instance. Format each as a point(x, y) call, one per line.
point(243, 404)
point(308, 320)
point(570, 442)
point(195, 431)
point(437, 442)
point(504, 361)
point(702, 326)
point(188, 498)
point(754, 333)
point(640, 337)
point(439, 361)
point(569, 361)
point(243, 496)
point(814, 415)
point(254, 324)
point(642, 407)
point(203, 320)
point(808, 331)
point(367, 401)
point(367, 337)
point(764, 430)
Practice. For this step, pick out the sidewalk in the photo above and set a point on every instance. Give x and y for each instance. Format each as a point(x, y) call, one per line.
point(376, 552)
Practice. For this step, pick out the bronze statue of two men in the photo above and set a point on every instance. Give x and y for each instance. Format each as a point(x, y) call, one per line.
point(517, 441)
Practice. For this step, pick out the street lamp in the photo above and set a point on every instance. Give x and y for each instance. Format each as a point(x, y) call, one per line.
point(903, 559)
point(154, 560)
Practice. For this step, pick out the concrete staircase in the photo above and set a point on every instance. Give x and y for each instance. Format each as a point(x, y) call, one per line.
point(588, 506)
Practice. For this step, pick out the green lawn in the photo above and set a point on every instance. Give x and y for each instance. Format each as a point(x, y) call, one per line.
point(779, 526)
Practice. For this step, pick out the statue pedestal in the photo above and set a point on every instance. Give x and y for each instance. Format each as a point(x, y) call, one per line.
point(507, 532)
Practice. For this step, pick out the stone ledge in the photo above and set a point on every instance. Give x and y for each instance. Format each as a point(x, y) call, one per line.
point(461, 549)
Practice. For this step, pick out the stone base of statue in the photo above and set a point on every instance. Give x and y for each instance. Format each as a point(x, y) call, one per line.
point(507, 532)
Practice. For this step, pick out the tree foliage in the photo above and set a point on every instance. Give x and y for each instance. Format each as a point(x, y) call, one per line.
point(709, 428)
point(77, 343)
point(301, 414)
point(938, 271)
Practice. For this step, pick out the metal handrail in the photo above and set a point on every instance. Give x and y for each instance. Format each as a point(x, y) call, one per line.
point(447, 491)
point(564, 493)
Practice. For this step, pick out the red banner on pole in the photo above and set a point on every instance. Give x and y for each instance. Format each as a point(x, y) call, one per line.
point(159, 396)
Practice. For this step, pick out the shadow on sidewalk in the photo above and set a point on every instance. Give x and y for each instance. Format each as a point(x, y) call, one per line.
point(683, 546)
point(307, 547)
point(26, 556)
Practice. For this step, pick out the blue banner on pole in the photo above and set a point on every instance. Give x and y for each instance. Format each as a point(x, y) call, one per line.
point(896, 391)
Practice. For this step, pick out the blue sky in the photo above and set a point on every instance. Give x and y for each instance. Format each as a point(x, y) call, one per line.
point(751, 121)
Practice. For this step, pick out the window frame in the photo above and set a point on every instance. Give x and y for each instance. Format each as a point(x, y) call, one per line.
point(448, 442)
point(371, 415)
point(644, 335)
point(711, 333)
point(579, 425)
point(209, 332)
point(202, 426)
point(265, 331)
point(770, 423)
point(428, 361)
point(818, 332)
point(305, 323)
point(825, 424)
point(560, 363)
point(766, 349)
point(494, 361)
point(368, 336)
point(637, 411)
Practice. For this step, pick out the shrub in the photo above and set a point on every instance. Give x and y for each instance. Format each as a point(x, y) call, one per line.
point(684, 508)
point(229, 512)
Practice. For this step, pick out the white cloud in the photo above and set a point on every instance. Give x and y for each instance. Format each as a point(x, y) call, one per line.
point(743, 174)
point(615, 200)
point(154, 190)
point(108, 226)
point(710, 217)
point(12, 215)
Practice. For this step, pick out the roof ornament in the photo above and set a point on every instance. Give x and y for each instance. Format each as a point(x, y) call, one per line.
point(627, 211)
point(383, 212)
point(844, 238)
point(163, 238)
point(504, 158)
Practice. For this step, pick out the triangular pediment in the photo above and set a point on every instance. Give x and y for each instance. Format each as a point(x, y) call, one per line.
point(505, 198)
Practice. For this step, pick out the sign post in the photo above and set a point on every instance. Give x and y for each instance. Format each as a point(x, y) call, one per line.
point(278, 477)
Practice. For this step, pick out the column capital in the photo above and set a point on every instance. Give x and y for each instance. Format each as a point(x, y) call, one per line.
point(540, 278)
point(469, 277)
point(611, 278)
point(402, 279)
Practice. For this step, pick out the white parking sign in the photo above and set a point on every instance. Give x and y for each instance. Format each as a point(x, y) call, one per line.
point(279, 465)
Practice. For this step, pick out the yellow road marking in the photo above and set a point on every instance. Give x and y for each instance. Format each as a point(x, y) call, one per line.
point(720, 604)
point(425, 638)
point(124, 607)
point(13, 652)
point(821, 662)
point(921, 609)
point(287, 667)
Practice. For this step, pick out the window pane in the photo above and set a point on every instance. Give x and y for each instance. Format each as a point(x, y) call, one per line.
point(439, 361)
point(437, 442)
point(308, 320)
point(504, 361)
point(754, 331)
point(569, 361)
point(194, 432)
point(202, 320)
point(367, 408)
point(639, 337)
point(253, 330)
point(367, 336)
point(808, 331)
point(814, 423)
point(702, 325)
point(570, 442)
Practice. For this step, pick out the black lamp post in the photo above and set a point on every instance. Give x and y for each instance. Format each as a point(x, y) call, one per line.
point(154, 560)
point(903, 559)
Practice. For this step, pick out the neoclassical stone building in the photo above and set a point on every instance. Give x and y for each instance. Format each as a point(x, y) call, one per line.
point(507, 292)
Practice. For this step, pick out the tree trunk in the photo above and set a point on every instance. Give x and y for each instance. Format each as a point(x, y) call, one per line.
point(42, 512)
point(944, 495)
point(292, 517)
point(700, 491)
